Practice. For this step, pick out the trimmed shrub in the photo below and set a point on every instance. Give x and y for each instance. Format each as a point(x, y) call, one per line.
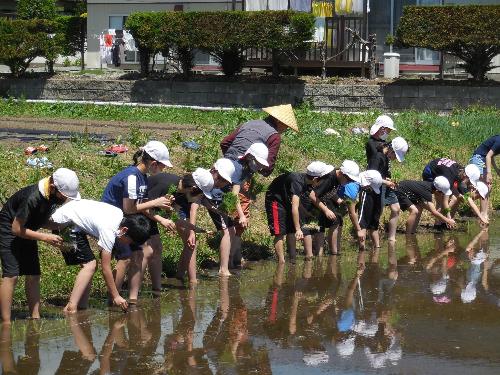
point(41, 9)
point(469, 32)
point(224, 34)
point(23, 40)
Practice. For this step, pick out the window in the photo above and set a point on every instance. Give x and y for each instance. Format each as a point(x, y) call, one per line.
point(117, 22)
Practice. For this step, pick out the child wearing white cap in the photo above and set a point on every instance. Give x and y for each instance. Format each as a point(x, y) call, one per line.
point(370, 208)
point(484, 158)
point(338, 190)
point(128, 190)
point(282, 204)
point(379, 132)
point(417, 195)
point(21, 217)
point(254, 160)
point(461, 181)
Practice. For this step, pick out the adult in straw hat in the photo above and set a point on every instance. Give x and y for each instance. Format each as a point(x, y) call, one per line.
point(267, 131)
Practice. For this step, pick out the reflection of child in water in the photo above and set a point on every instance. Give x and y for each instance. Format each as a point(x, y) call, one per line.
point(30, 362)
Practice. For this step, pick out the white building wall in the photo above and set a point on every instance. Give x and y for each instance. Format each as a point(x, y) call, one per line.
point(99, 12)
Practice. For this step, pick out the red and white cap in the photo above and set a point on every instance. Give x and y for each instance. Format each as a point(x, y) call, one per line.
point(204, 180)
point(158, 151)
point(67, 183)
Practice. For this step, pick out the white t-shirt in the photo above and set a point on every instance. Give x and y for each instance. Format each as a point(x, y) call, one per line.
point(98, 219)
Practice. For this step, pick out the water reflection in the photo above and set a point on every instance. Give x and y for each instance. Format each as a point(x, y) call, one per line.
point(413, 306)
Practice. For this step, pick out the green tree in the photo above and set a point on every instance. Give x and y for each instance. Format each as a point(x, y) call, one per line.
point(41, 9)
point(469, 32)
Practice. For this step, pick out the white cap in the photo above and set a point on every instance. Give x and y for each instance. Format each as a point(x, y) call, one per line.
point(473, 173)
point(204, 180)
point(371, 178)
point(318, 169)
point(442, 184)
point(351, 169)
point(225, 168)
point(260, 152)
point(67, 183)
point(439, 287)
point(158, 151)
point(400, 147)
point(469, 293)
point(383, 121)
point(346, 347)
point(482, 189)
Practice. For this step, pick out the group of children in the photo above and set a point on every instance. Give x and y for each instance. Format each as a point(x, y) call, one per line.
point(141, 197)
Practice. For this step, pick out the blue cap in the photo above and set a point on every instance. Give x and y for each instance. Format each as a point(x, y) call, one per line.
point(349, 190)
point(346, 320)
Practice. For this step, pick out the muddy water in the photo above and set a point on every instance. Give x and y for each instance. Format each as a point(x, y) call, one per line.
point(427, 306)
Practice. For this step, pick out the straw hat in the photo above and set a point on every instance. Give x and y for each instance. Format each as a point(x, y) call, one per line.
point(283, 113)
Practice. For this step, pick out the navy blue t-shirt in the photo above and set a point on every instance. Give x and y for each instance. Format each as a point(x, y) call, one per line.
point(492, 143)
point(129, 183)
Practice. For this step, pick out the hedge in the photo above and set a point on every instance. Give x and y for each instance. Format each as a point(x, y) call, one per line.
point(23, 40)
point(224, 34)
point(469, 32)
point(71, 36)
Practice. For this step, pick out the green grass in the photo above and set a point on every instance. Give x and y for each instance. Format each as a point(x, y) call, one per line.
point(430, 135)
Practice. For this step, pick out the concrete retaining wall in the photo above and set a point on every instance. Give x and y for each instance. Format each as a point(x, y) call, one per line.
point(326, 97)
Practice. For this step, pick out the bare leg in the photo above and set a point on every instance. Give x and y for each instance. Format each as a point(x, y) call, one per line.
point(291, 245)
point(7, 361)
point(393, 221)
point(135, 275)
point(6, 295)
point(32, 285)
point(154, 263)
point(362, 240)
point(333, 240)
point(318, 243)
point(120, 271)
point(308, 246)
point(82, 281)
point(279, 248)
point(412, 222)
point(225, 248)
point(374, 235)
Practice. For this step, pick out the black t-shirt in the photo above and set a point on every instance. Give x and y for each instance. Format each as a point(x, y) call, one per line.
point(450, 169)
point(159, 184)
point(416, 191)
point(29, 205)
point(372, 147)
point(380, 162)
point(492, 143)
point(287, 185)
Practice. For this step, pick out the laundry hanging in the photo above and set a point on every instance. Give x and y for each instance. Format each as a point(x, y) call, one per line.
point(300, 5)
point(277, 4)
point(343, 6)
point(255, 5)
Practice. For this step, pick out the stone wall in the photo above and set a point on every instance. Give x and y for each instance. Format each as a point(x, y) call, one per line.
point(395, 96)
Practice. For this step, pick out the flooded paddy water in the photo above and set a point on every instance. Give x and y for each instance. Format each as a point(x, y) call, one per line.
point(429, 305)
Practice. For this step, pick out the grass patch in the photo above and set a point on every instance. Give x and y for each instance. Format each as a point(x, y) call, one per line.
point(430, 135)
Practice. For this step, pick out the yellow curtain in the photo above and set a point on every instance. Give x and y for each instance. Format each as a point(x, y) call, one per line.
point(322, 9)
point(343, 6)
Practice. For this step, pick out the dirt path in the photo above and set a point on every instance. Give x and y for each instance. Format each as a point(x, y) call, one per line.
point(12, 128)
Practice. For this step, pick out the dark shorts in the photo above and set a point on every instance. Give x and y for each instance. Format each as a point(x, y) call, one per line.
point(80, 252)
point(279, 220)
point(388, 196)
point(184, 211)
point(326, 223)
point(370, 209)
point(404, 201)
point(220, 221)
point(121, 251)
point(19, 256)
